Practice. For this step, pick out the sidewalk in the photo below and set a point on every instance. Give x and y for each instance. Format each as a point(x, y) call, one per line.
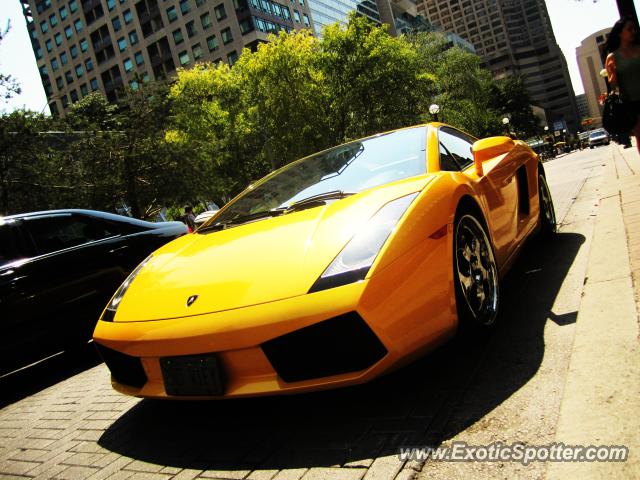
point(601, 401)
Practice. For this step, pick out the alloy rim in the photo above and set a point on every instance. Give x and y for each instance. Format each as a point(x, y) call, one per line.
point(546, 203)
point(476, 270)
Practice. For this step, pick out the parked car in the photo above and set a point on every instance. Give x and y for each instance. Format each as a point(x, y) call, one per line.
point(204, 216)
point(58, 269)
point(331, 271)
point(599, 137)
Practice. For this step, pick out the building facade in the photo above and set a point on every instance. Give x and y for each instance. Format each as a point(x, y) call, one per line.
point(513, 37)
point(583, 108)
point(82, 46)
point(590, 62)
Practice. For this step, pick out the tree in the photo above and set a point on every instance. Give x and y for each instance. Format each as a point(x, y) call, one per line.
point(511, 98)
point(8, 85)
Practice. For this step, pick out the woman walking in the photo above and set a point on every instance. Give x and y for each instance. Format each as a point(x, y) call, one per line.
point(623, 67)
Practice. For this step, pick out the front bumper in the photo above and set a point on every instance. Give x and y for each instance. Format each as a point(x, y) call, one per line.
point(253, 352)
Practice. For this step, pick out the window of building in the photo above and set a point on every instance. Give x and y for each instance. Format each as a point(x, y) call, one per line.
point(89, 65)
point(49, 45)
point(53, 19)
point(128, 16)
point(68, 77)
point(38, 53)
point(74, 51)
point(43, 71)
point(84, 90)
point(221, 13)
point(122, 44)
point(212, 43)
point(44, 26)
point(63, 58)
point(58, 39)
point(134, 85)
point(172, 14)
point(246, 26)
point(78, 25)
point(296, 15)
point(73, 6)
point(184, 58)
point(145, 77)
point(133, 37)
point(74, 96)
point(128, 65)
point(116, 24)
point(84, 45)
point(306, 19)
point(184, 7)
point(227, 37)
point(111, 4)
point(233, 58)
point(197, 51)
point(205, 20)
point(63, 13)
point(79, 70)
point(191, 28)
point(177, 36)
point(54, 64)
point(65, 101)
point(68, 32)
point(59, 83)
point(139, 58)
point(94, 84)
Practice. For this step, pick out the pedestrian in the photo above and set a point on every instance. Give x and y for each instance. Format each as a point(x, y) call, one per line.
point(623, 67)
point(189, 219)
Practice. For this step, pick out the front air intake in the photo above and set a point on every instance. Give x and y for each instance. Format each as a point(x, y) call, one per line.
point(342, 344)
point(125, 369)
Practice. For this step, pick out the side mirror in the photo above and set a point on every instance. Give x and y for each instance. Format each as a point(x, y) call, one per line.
point(489, 148)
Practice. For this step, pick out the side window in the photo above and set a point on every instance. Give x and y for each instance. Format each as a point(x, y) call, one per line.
point(53, 233)
point(455, 150)
point(12, 246)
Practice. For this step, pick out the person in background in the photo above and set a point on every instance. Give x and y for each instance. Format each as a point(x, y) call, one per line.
point(189, 219)
point(623, 67)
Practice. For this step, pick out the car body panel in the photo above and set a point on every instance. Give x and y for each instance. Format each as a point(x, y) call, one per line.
point(253, 280)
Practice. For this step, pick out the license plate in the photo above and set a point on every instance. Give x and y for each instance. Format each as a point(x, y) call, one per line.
point(193, 375)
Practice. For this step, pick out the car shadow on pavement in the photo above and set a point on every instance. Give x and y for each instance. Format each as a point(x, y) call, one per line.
point(43, 374)
point(421, 404)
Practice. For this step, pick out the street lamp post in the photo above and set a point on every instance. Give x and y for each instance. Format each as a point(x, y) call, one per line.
point(434, 109)
point(505, 122)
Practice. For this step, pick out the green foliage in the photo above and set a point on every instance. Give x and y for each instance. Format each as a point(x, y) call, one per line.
point(8, 85)
point(216, 129)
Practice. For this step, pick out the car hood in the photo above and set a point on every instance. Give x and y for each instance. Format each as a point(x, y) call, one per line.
point(258, 262)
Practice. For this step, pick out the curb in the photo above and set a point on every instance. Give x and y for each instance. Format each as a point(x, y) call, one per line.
point(601, 399)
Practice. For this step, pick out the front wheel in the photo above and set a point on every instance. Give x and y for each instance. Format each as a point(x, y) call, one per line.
point(475, 274)
point(547, 212)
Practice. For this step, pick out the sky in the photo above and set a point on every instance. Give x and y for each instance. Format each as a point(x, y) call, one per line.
point(572, 20)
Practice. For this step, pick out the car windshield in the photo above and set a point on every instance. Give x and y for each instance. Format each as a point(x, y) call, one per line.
point(335, 173)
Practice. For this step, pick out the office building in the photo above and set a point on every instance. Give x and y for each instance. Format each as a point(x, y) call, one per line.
point(83, 46)
point(590, 62)
point(513, 37)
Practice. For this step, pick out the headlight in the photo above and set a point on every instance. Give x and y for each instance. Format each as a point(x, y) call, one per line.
point(355, 259)
point(110, 311)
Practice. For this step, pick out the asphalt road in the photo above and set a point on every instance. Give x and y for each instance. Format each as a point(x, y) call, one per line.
point(505, 386)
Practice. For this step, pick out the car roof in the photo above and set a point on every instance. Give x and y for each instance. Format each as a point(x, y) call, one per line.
point(92, 213)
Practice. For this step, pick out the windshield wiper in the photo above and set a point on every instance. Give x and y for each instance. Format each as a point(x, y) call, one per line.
point(315, 200)
point(309, 202)
point(242, 219)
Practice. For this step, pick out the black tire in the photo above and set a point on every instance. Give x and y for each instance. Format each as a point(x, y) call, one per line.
point(475, 273)
point(547, 220)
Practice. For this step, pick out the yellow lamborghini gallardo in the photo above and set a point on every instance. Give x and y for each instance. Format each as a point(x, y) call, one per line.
point(330, 271)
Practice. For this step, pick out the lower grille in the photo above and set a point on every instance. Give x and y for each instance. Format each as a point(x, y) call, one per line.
point(125, 369)
point(342, 344)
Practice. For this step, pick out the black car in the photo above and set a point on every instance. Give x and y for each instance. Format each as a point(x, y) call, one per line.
point(58, 270)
